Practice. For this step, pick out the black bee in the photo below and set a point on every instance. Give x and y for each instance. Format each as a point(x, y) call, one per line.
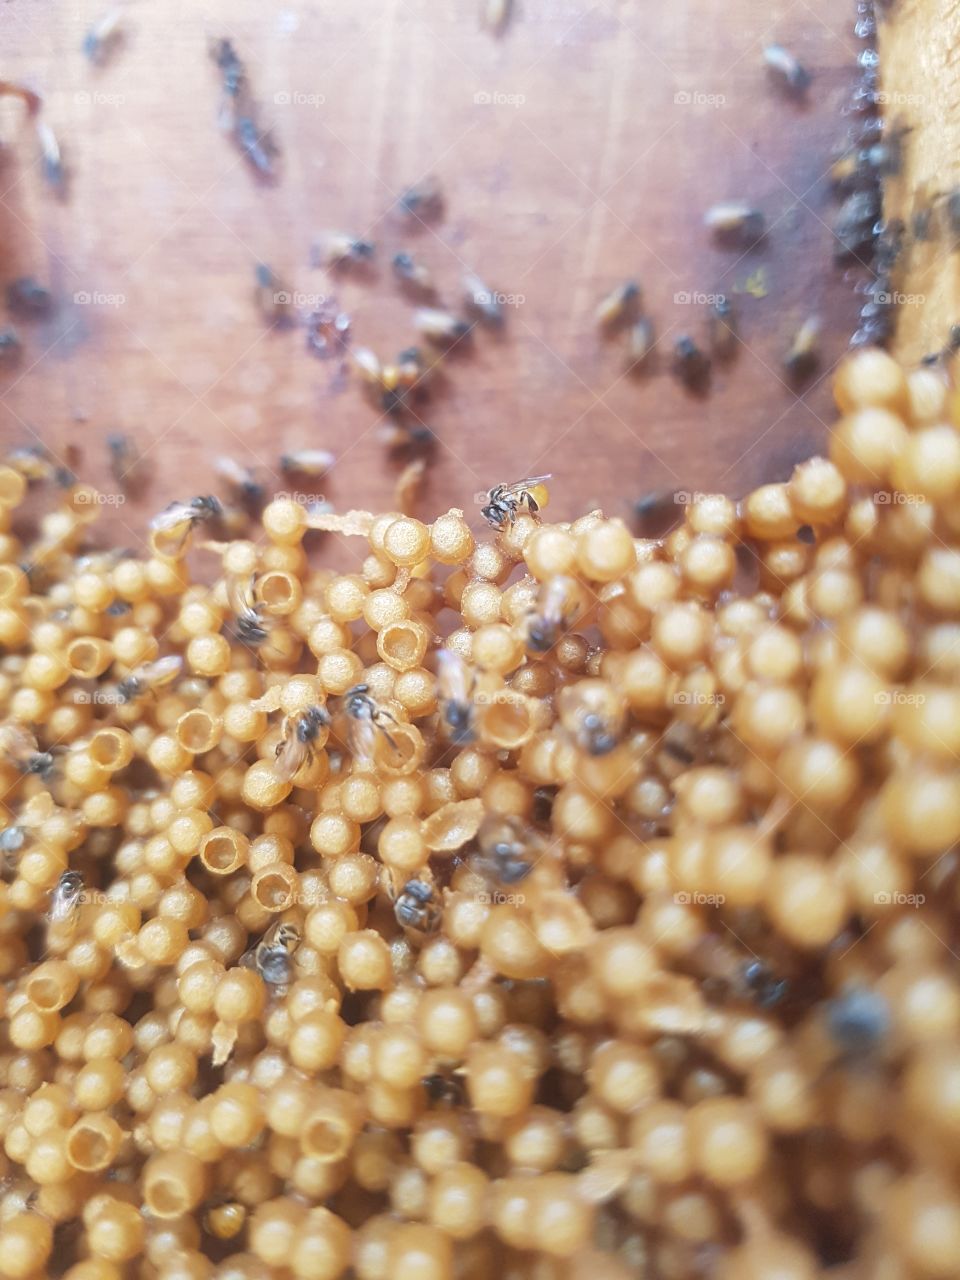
point(766, 990)
point(454, 681)
point(9, 346)
point(785, 67)
point(298, 743)
point(858, 1021)
point(505, 502)
point(28, 297)
point(690, 365)
point(508, 848)
point(150, 677)
point(417, 908)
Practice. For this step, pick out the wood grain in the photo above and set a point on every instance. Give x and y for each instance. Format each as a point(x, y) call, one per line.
point(580, 147)
point(921, 82)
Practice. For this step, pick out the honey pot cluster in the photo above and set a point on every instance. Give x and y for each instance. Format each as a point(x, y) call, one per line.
point(551, 903)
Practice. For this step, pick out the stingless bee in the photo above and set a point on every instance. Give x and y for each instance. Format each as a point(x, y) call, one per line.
point(440, 327)
point(252, 628)
point(496, 15)
point(417, 908)
point(508, 848)
point(455, 685)
point(641, 340)
point(593, 715)
point(482, 300)
point(272, 296)
point(447, 1089)
point(786, 69)
point(150, 677)
point(33, 463)
point(27, 297)
point(803, 353)
point(858, 1021)
point(619, 306)
point(423, 201)
point(51, 158)
point(65, 896)
point(367, 717)
point(735, 221)
point(124, 460)
point(21, 749)
point(855, 225)
point(413, 274)
point(723, 328)
point(103, 36)
point(558, 607)
point(241, 479)
point(690, 365)
point(307, 462)
point(272, 957)
point(505, 502)
point(178, 521)
point(12, 839)
point(340, 249)
point(9, 346)
point(298, 741)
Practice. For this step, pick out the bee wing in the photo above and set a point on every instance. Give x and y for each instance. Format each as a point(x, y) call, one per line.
point(172, 518)
point(531, 482)
point(291, 753)
point(163, 671)
point(241, 596)
point(17, 741)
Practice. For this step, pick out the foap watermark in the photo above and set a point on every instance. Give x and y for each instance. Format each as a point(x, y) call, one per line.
point(695, 299)
point(497, 98)
point(302, 499)
point(899, 698)
point(286, 298)
point(498, 698)
point(294, 98)
point(697, 98)
point(96, 299)
point(885, 99)
point(98, 698)
point(496, 898)
point(896, 299)
point(94, 498)
point(488, 298)
point(698, 899)
point(84, 98)
point(894, 498)
point(686, 497)
point(898, 899)
point(696, 698)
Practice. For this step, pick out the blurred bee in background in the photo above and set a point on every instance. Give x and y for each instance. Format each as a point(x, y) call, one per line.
point(496, 15)
point(414, 275)
point(455, 685)
point(33, 462)
point(786, 69)
point(440, 327)
point(272, 957)
point(559, 605)
point(224, 1219)
point(641, 340)
point(51, 158)
point(593, 715)
point(416, 907)
point(150, 677)
point(9, 346)
point(505, 502)
point(20, 748)
point(65, 897)
point(803, 353)
point(422, 202)
point(314, 463)
point(104, 36)
point(482, 300)
point(178, 521)
point(367, 718)
point(11, 89)
point(619, 307)
point(508, 848)
point(723, 328)
point(735, 221)
point(340, 249)
point(690, 365)
point(858, 1021)
point(240, 479)
point(446, 1089)
point(125, 461)
point(298, 741)
point(272, 296)
point(26, 296)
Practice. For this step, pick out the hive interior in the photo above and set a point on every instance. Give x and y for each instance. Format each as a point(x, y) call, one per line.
point(552, 904)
